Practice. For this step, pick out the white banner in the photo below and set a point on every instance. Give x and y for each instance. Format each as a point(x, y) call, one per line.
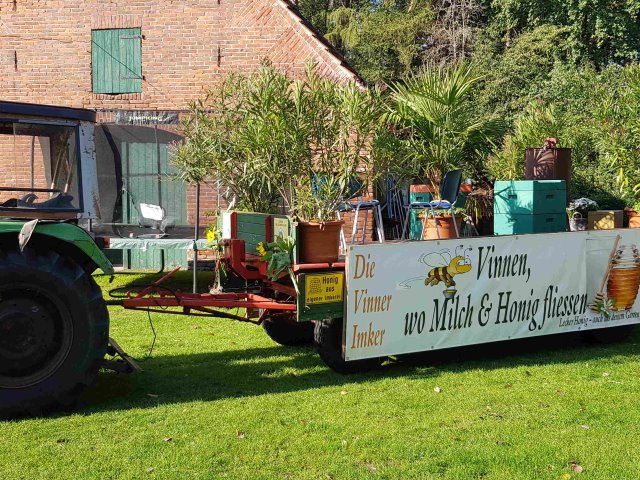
point(418, 296)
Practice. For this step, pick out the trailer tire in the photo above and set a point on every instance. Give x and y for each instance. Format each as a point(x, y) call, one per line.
point(609, 335)
point(328, 340)
point(287, 331)
point(54, 331)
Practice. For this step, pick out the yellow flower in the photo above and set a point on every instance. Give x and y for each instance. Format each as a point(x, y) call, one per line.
point(211, 236)
point(260, 249)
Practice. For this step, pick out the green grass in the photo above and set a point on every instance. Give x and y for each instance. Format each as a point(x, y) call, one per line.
point(238, 406)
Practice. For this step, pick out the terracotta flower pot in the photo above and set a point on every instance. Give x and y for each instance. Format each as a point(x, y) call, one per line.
point(634, 219)
point(445, 227)
point(319, 243)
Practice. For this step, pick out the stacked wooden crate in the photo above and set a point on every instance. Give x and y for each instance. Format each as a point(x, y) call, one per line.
point(529, 206)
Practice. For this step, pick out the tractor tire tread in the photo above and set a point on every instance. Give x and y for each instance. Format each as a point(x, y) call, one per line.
point(86, 306)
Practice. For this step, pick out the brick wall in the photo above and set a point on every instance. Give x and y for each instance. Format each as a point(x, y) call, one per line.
point(45, 47)
point(187, 46)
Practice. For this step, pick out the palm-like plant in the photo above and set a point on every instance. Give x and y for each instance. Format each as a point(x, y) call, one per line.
point(440, 129)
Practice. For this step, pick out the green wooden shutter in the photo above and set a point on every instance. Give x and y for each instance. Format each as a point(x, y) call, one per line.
point(116, 57)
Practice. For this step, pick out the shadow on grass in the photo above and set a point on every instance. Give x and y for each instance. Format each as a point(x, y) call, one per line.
point(257, 371)
point(181, 280)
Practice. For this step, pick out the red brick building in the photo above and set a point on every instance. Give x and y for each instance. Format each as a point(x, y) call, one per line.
point(139, 63)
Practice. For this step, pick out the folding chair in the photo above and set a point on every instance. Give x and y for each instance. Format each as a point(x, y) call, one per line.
point(448, 197)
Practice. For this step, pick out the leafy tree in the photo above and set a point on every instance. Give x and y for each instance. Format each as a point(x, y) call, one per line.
point(442, 131)
point(599, 31)
point(617, 131)
point(517, 77)
point(382, 41)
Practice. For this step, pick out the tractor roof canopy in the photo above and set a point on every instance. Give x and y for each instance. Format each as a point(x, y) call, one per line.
point(47, 171)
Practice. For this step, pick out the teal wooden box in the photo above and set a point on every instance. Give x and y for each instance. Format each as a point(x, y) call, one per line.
point(538, 197)
point(415, 224)
point(518, 224)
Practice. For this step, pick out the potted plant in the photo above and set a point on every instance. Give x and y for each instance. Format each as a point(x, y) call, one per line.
point(444, 220)
point(633, 215)
point(332, 129)
point(578, 212)
point(440, 129)
point(287, 146)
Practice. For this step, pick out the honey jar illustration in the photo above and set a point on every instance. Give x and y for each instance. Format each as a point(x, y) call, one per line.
point(624, 277)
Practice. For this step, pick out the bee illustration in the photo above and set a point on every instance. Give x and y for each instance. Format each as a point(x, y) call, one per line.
point(445, 267)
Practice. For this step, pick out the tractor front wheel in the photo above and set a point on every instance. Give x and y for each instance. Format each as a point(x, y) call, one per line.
point(328, 340)
point(54, 328)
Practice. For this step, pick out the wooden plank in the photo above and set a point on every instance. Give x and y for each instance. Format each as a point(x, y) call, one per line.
point(17, 213)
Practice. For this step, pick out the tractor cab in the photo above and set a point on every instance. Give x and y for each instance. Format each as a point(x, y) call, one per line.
point(41, 148)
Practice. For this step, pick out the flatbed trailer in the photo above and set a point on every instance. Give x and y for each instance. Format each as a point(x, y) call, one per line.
point(379, 300)
point(398, 298)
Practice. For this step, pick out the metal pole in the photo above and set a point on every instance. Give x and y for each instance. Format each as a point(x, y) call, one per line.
point(195, 240)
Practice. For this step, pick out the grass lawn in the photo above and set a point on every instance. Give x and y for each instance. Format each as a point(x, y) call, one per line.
point(219, 399)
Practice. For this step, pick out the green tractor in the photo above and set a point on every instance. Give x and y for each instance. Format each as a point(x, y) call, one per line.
point(54, 323)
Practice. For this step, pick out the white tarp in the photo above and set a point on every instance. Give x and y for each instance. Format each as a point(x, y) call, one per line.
point(144, 244)
point(418, 296)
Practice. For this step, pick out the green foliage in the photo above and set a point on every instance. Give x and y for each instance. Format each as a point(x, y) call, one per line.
point(617, 130)
point(278, 255)
point(598, 31)
point(231, 132)
point(514, 78)
point(382, 43)
point(441, 130)
point(268, 137)
point(531, 128)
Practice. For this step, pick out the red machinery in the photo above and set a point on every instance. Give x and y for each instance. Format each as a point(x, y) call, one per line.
point(288, 308)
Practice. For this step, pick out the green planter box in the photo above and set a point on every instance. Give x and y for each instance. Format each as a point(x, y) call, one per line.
point(415, 224)
point(538, 197)
point(517, 224)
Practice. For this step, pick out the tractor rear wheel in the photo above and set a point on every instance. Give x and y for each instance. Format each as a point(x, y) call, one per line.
point(328, 340)
point(609, 335)
point(54, 330)
point(286, 331)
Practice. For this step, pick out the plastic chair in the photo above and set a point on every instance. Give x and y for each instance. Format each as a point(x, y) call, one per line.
point(448, 197)
point(356, 203)
point(394, 205)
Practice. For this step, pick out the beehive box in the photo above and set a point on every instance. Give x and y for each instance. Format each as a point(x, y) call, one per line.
point(519, 224)
point(605, 219)
point(529, 196)
point(529, 206)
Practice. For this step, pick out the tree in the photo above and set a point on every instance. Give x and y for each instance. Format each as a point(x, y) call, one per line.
point(517, 76)
point(599, 31)
point(382, 40)
point(442, 132)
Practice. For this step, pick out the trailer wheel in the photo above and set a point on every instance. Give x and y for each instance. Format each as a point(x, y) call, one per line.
point(54, 329)
point(609, 335)
point(328, 340)
point(286, 331)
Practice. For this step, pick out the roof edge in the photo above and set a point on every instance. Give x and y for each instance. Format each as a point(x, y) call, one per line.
point(320, 39)
point(54, 111)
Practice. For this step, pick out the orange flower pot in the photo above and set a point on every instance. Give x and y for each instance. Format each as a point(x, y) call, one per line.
point(445, 227)
point(319, 243)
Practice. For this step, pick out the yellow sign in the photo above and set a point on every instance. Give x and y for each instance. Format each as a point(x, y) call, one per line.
point(323, 288)
point(281, 228)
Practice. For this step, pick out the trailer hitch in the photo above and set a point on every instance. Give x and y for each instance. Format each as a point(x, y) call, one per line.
point(121, 362)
